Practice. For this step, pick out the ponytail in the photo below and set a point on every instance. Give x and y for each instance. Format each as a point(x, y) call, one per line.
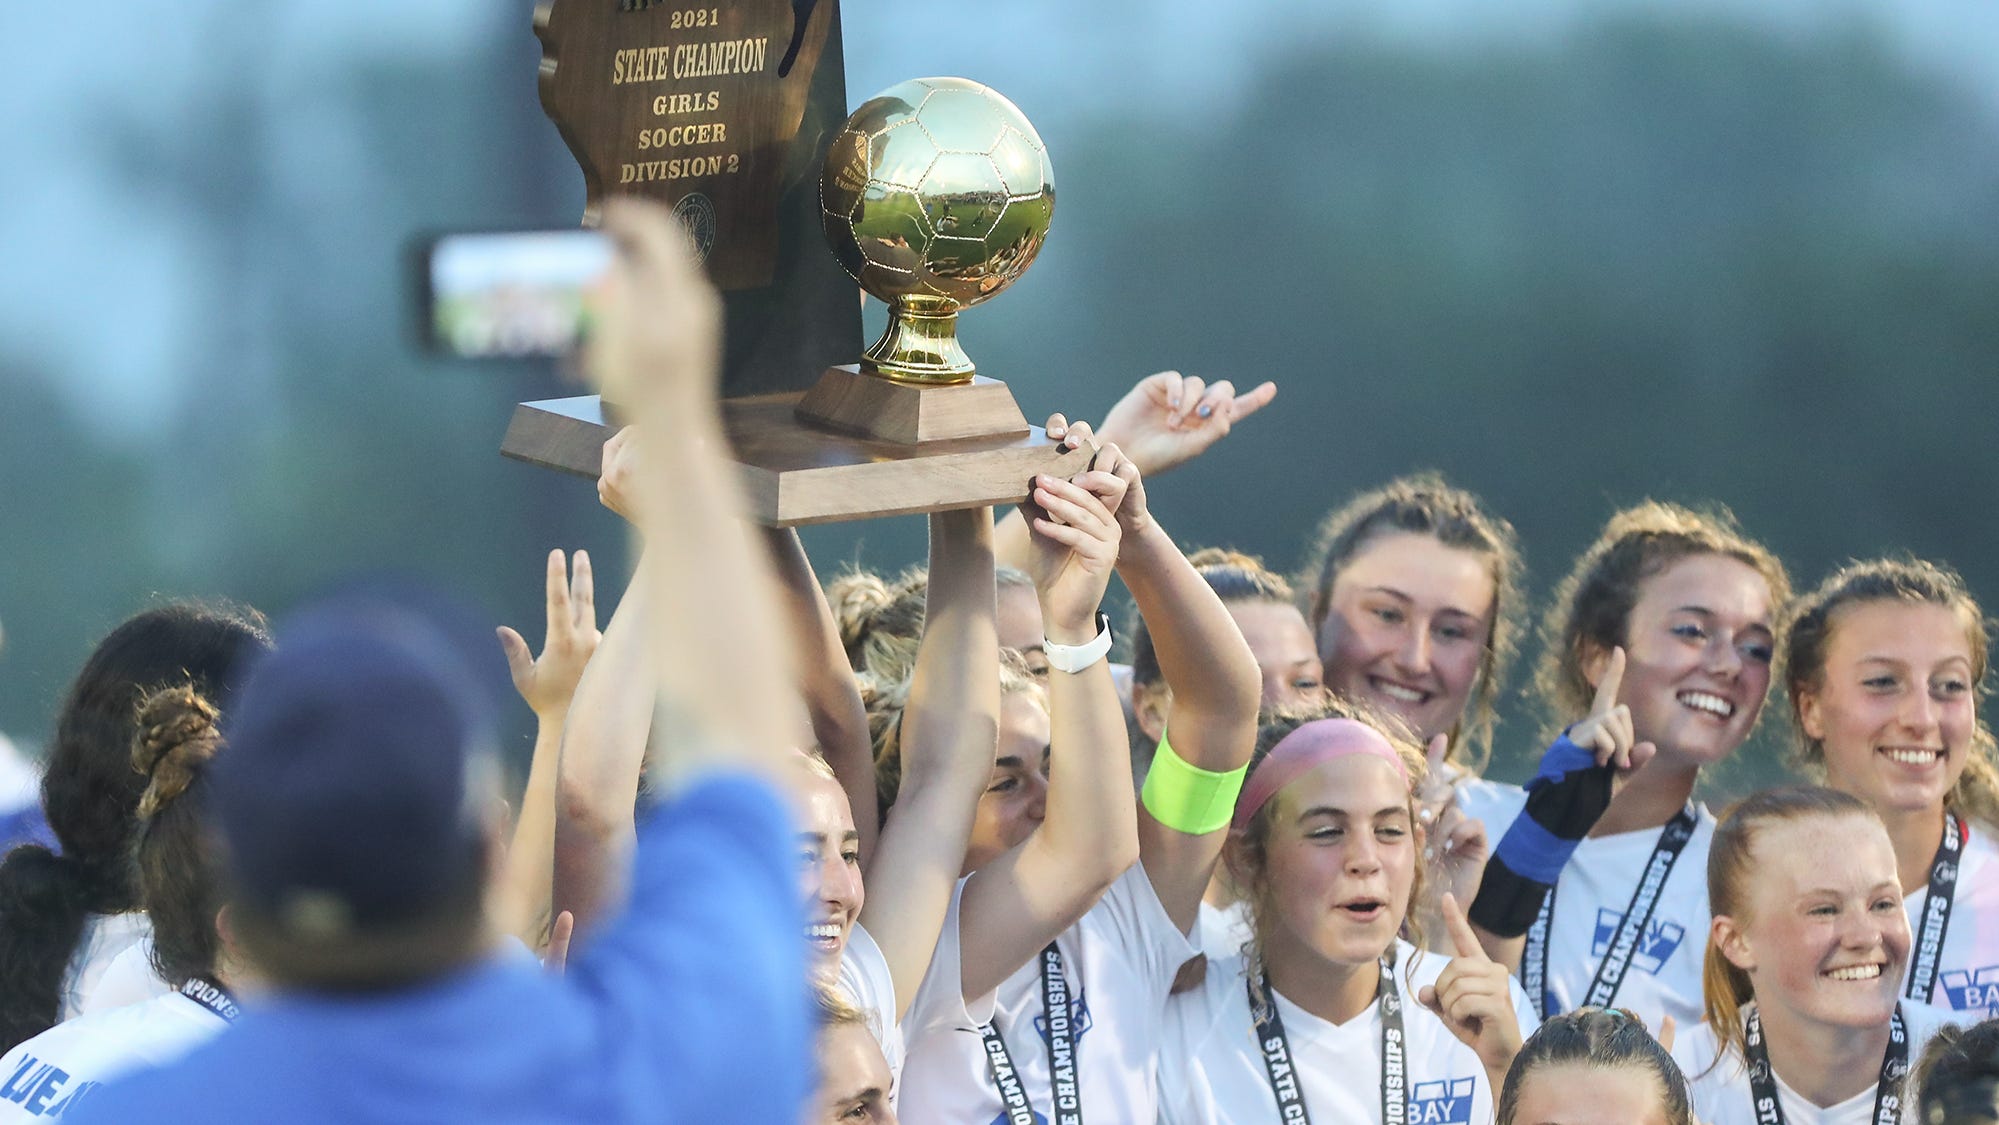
point(178, 879)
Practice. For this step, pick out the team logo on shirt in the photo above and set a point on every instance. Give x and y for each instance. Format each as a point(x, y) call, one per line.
point(1971, 988)
point(1441, 1103)
point(1662, 939)
point(43, 1089)
point(1079, 1021)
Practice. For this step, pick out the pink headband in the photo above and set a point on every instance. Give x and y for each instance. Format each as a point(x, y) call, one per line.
point(1314, 744)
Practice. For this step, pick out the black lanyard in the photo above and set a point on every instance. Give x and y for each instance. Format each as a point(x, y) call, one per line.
point(1763, 1081)
point(1624, 943)
point(1283, 1072)
point(1061, 1052)
point(1936, 909)
point(211, 996)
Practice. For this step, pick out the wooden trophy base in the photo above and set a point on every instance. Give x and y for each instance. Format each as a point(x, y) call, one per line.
point(881, 409)
point(800, 473)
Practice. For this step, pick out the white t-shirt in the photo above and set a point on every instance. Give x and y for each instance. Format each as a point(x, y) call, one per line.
point(104, 937)
point(1495, 803)
point(1664, 977)
point(1968, 972)
point(1215, 1072)
point(49, 1074)
point(1120, 960)
point(20, 780)
point(1721, 1096)
point(865, 978)
point(1222, 932)
point(128, 979)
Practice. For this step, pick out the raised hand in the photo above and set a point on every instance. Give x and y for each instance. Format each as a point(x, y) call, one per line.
point(1456, 853)
point(617, 479)
point(1073, 551)
point(1112, 473)
point(1473, 998)
point(1607, 728)
point(657, 322)
point(548, 681)
point(1169, 419)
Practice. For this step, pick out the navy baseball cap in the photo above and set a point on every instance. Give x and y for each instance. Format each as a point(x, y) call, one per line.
point(360, 767)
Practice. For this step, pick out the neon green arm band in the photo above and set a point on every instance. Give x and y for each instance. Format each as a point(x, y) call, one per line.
point(1188, 798)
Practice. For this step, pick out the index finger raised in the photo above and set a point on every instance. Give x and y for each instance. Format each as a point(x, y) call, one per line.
point(1462, 936)
point(1606, 688)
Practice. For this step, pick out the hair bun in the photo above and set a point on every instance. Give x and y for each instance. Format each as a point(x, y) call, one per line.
point(857, 599)
point(177, 732)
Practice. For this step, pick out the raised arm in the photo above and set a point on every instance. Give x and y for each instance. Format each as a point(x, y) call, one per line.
point(1216, 690)
point(547, 683)
point(1166, 420)
point(1020, 901)
point(826, 684)
point(725, 664)
point(950, 727)
point(603, 753)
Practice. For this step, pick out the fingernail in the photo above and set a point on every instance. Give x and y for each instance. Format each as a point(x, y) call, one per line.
point(1205, 411)
point(1174, 402)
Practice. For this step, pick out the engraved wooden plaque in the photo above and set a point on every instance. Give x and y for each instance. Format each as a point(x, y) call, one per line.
point(725, 111)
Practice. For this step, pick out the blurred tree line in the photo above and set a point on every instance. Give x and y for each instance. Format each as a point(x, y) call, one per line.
point(1675, 259)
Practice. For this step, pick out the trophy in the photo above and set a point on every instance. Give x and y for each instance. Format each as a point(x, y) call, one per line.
point(934, 195)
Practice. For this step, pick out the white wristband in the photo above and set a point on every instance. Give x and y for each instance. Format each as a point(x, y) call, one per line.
point(1075, 658)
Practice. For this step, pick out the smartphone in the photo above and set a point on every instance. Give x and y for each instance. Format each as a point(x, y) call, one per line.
point(506, 294)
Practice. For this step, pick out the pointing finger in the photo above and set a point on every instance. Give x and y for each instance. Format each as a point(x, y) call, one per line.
point(1666, 1030)
point(1462, 937)
point(1613, 678)
point(1248, 404)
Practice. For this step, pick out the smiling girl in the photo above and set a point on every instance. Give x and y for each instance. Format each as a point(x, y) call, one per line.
point(1804, 957)
point(1658, 645)
point(1414, 596)
point(1886, 663)
point(1329, 1014)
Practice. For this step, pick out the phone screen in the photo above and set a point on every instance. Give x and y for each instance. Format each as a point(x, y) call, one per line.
point(510, 295)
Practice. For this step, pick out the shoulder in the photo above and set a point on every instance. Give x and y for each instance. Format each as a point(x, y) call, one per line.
point(864, 973)
point(1923, 1021)
point(68, 1062)
point(128, 979)
point(1695, 1049)
point(1981, 844)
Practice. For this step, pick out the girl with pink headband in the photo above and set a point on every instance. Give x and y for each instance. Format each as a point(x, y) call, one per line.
point(1327, 1013)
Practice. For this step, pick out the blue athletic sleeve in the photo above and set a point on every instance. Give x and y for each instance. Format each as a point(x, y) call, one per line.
point(700, 988)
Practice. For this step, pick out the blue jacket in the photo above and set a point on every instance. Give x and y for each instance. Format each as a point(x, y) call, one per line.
point(690, 1007)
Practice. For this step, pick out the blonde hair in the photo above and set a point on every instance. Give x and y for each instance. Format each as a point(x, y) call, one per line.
point(1590, 612)
point(1425, 504)
point(1724, 987)
point(1910, 582)
point(886, 699)
point(1251, 846)
point(880, 619)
